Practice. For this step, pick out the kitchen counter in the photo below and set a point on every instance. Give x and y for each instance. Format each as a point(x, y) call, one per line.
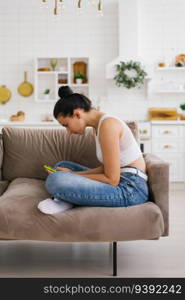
point(168, 122)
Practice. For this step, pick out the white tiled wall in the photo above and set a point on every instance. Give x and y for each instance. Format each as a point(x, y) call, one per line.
point(28, 31)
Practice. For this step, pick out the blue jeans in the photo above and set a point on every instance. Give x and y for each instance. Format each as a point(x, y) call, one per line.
point(79, 190)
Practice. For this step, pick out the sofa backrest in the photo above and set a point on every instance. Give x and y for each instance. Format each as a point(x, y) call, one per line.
point(1, 155)
point(27, 150)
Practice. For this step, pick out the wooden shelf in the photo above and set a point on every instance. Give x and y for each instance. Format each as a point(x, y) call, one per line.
point(170, 92)
point(52, 72)
point(170, 68)
point(80, 85)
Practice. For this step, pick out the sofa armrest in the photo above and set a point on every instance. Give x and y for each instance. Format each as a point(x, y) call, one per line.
point(158, 180)
point(3, 186)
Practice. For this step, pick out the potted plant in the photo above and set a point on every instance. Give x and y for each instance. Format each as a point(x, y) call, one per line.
point(53, 63)
point(79, 78)
point(46, 94)
point(182, 106)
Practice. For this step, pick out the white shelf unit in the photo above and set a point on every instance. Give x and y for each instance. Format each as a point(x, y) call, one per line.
point(177, 80)
point(61, 76)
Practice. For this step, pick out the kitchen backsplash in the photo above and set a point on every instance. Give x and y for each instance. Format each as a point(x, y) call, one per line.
point(26, 32)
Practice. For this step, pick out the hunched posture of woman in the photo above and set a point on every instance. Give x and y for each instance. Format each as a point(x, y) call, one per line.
point(119, 181)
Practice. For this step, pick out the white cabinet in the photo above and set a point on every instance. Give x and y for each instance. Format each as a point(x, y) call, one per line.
point(53, 72)
point(168, 143)
point(145, 136)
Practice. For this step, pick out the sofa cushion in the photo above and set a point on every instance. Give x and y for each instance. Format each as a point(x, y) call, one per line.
point(3, 186)
point(27, 150)
point(20, 219)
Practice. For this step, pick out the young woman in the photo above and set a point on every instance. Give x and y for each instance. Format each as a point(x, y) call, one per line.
point(119, 181)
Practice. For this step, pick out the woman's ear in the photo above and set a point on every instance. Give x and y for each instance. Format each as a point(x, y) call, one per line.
point(78, 113)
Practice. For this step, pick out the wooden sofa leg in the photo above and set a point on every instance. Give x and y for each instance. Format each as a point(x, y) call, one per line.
point(114, 258)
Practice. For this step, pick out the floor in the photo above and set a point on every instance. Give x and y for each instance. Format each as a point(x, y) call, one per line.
point(158, 258)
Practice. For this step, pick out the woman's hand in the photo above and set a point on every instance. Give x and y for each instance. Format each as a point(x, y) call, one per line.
point(58, 169)
point(48, 171)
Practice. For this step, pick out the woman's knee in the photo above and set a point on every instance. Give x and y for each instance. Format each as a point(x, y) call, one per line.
point(51, 182)
point(58, 181)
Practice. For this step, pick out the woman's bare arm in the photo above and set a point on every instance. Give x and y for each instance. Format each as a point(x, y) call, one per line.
point(97, 170)
point(109, 141)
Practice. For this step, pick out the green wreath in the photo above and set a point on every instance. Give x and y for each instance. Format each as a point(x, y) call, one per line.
point(122, 79)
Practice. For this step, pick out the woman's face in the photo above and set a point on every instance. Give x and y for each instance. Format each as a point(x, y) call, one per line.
point(74, 124)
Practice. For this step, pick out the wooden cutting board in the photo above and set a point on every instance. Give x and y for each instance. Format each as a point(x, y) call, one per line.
point(163, 114)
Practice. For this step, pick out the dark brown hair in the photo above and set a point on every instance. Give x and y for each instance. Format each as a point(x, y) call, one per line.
point(70, 101)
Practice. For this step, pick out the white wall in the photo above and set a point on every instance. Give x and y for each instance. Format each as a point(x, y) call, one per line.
point(27, 31)
point(161, 26)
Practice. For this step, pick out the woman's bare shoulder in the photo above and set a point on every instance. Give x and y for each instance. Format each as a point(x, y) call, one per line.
point(111, 124)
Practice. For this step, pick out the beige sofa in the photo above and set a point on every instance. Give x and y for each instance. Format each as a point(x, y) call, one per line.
point(23, 152)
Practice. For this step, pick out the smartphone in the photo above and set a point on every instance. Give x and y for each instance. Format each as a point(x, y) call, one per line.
point(49, 168)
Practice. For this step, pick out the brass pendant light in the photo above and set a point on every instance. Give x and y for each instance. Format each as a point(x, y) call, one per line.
point(79, 5)
point(56, 8)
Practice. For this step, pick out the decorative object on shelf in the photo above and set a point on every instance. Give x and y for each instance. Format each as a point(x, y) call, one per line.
point(43, 69)
point(62, 79)
point(25, 89)
point(53, 63)
point(182, 116)
point(79, 78)
point(46, 94)
point(19, 117)
point(182, 106)
point(163, 113)
point(47, 118)
point(180, 60)
point(59, 6)
point(80, 67)
point(161, 64)
point(124, 75)
point(5, 94)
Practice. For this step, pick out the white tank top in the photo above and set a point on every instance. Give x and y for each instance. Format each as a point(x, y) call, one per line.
point(129, 148)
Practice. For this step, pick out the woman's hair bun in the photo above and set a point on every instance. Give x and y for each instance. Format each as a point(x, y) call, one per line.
point(65, 91)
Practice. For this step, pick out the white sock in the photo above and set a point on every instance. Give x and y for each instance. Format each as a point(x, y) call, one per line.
point(53, 206)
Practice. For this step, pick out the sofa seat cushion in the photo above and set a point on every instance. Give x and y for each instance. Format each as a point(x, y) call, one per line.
point(20, 219)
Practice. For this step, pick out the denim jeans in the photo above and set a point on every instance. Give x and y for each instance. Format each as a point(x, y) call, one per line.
point(79, 190)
